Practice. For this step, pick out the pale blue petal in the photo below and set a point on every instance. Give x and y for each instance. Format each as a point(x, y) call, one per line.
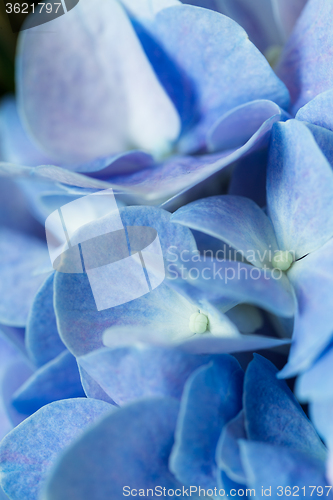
point(317, 111)
point(16, 146)
point(312, 279)
point(272, 413)
point(269, 467)
point(227, 70)
point(165, 179)
point(153, 185)
point(20, 256)
point(82, 103)
point(236, 220)
point(92, 389)
point(81, 325)
point(299, 196)
point(130, 447)
point(324, 139)
point(15, 375)
point(42, 337)
point(9, 354)
point(316, 383)
point(305, 74)
point(256, 17)
point(228, 456)
point(321, 415)
point(212, 396)
point(129, 373)
point(58, 379)
point(237, 126)
point(28, 452)
point(197, 344)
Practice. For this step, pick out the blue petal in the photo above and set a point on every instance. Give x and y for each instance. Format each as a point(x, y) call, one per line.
point(198, 344)
point(228, 456)
point(273, 415)
point(72, 126)
point(236, 220)
point(166, 179)
point(20, 256)
point(270, 467)
point(324, 139)
point(216, 55)
point(129, 373)
point(317, 111)
point(15, 375)
point(42, 337)
point(305, 74)
point(321, 415)
point(256, 17)
point(299, 196)
point(129, 448)
point(9, 355)
point(92, 389)
point(312, 278)
point(155, 185)
point(81, 325)
point(316, 383)
point(237, 126)
point(212, 396)
point(16, 146)
point(58, 379)
point(28, 452)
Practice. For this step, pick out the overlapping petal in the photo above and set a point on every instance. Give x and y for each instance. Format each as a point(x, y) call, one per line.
point(272, 413)
point(20, 256)
point(317, 111)
point(212, 397)
point(82, 103)
point(42, 338)
point(312, 279)
point(306, 62)
point(129, 373)
point(299, 190)
point(59, 379)
point(315, 384)
point(236, 220)
point(204, 56)
point(28, 452)
point(270, 467)
point(99, 465)
point(228, 455)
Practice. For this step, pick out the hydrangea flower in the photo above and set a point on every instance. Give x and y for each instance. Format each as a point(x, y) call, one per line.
point(295, 238)
point(186, 100)
point(218, 437)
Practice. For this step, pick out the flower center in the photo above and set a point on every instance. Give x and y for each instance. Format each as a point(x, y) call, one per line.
point(282, 260)
point(198, 322)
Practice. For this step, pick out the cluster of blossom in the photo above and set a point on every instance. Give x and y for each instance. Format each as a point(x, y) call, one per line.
point(212, 121)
